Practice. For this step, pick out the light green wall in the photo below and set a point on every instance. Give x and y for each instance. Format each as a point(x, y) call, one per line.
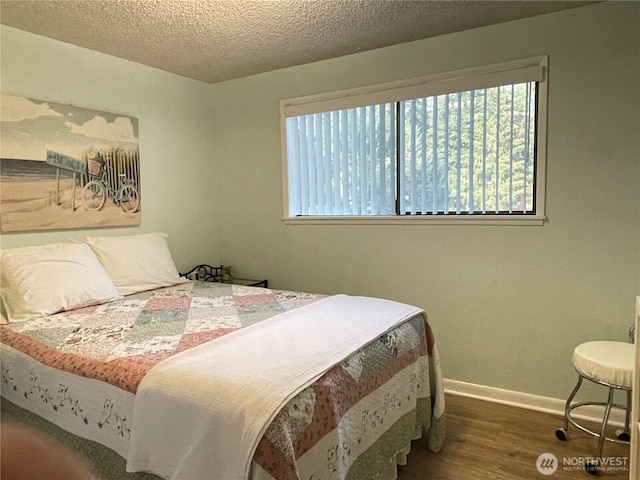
point(176, 151)
point(507, 304)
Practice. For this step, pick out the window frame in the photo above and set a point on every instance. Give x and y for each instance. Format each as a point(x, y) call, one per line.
point(527, 69)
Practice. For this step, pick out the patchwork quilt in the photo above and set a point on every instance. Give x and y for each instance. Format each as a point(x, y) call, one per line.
point(351, 423)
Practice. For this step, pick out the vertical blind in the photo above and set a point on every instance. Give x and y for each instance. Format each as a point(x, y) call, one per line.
point(343, 162)
point(456, 153)
point(468, 152)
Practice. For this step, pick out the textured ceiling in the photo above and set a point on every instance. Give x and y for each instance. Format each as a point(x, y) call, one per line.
point(216, 40)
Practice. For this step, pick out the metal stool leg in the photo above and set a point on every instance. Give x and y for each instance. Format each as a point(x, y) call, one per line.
point(605, 420)
point(625, 435)
point(591, 468)
point(561, 434)
point(627, 417)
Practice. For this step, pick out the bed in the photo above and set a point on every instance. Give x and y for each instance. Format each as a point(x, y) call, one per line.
point(192, 379)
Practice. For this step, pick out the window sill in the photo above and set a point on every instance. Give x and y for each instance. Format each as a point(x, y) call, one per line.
point(503, 220)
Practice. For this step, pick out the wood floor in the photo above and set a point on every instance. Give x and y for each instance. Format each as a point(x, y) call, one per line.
point(489, 441)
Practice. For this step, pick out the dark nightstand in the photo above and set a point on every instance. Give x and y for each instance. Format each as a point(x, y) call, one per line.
point(221, 274)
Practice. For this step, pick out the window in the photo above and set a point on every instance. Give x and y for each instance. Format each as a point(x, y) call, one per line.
point(460, 146)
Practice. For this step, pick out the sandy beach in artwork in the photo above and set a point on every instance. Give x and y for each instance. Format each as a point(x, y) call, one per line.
point(38, 205)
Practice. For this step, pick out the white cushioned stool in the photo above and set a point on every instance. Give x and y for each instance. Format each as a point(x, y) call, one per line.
point(609, 364)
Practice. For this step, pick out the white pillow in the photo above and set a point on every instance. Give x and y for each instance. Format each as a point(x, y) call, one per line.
point(46, 279)
point(136, 263)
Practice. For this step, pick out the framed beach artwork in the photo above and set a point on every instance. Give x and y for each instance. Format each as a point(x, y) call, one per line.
point(63, 166)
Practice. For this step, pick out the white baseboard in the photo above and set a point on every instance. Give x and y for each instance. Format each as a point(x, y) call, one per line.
point(531, 402)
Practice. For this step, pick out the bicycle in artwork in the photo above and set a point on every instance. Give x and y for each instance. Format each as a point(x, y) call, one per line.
point(95, 192)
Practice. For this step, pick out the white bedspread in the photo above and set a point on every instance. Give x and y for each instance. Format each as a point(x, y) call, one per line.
point(201, 413)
